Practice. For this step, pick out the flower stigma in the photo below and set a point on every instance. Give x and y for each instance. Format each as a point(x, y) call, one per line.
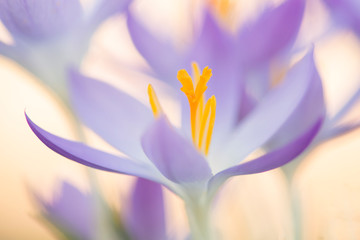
point(202, 116)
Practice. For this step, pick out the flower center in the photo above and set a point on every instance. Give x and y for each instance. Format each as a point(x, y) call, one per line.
point(202, 116)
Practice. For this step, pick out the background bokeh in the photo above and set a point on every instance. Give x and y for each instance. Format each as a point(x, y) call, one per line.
point(251, 207)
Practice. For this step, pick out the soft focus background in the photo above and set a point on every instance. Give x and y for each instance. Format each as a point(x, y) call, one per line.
point(249, 207)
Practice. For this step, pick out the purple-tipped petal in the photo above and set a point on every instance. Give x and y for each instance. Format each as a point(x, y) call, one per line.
point(269, 161)
point(115, 116)
point(347, 12)
point(91, 157)
point(40, 19)
point(270, 34)
point(175, 157)
point(146, 214)
point(160, 55)
point(311, 108)
point(72, 211)
point(270, 114)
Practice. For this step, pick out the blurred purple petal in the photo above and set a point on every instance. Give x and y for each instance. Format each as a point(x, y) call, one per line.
point(272, 160)
point(347, 12)
point(91, 157)
point(72, 211)
point(271, 33)
point(160, 55)
point(311, 108)
point(115, 116)
point(146, 215)
point(175, 157)
point(40, 19)
point(270, 114)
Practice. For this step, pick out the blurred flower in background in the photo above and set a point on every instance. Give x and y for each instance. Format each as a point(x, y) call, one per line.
point(48, 37)
point(73, 216)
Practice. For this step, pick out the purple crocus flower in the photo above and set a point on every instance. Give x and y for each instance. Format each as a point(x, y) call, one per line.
point(51, 35)
point(158, 151)
point(347, 12)
point(73, 213)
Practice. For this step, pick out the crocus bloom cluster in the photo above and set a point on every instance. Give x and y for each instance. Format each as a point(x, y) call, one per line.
point(50, 35)
point(72, 212)
point(160, 152)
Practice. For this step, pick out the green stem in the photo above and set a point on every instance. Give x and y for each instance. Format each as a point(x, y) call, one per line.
point(198, 213)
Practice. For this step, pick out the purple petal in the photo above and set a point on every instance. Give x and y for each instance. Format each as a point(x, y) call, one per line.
point(347, 12)
point(175, 157)
point(274, 31)
point(270, 114)
point(146, 215)
point(72, 210)
point(269, 161)
point(115, 116)
point(91, 157)
point(40, 19)
point(161, 56)
point(311, 108)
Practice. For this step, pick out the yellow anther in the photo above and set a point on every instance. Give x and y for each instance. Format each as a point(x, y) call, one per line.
point(202, 118)
point(211, 124)
point(196, 72)
point(154, 102)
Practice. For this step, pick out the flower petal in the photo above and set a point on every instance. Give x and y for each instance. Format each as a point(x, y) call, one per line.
point(160, 55)
point(271, 160)
point(274, 31)
point(146, 214)
point(39, 19)
point(269, 116)
point(115, 116)
point(72, 211)
point(347, 12)
point(311, 108)
point(91, 157)
point(175, 157)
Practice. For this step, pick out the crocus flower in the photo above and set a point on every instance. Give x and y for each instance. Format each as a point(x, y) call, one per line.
point(196, 159)
point(72, 212)
point(51, 35)
point(346, 12)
